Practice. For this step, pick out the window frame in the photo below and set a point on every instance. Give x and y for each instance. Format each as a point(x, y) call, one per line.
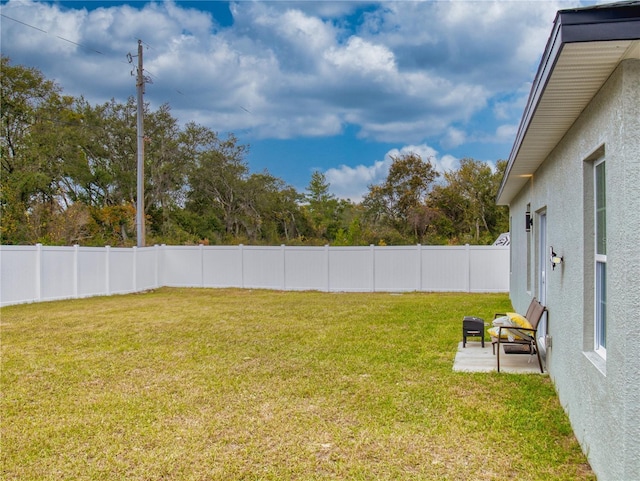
point(600, 258)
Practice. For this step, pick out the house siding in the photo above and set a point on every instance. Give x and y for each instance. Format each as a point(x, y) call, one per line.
point(602, 398)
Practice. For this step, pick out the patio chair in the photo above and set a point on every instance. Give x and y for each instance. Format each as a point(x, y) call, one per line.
point(517, 334)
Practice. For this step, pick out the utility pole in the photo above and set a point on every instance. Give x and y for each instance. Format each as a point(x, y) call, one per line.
point(140, 81)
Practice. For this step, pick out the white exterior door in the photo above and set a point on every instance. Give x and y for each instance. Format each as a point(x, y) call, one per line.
point(542, 279)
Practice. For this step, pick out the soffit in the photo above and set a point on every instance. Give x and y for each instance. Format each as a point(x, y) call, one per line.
point(580, 71)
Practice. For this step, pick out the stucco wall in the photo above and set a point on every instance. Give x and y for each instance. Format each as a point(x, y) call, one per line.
point(601, 397)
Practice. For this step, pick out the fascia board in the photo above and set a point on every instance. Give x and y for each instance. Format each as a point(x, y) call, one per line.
point(591, 24)
point(548, 62)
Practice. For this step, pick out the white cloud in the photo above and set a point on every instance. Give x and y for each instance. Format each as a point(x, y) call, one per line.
point(407, 71)
point(353, 182)
point(513, 105)
point(362, 56)
point(441, 163)
point(453, 138)
point(447, 163)
point(398, 72)
point(506, 133)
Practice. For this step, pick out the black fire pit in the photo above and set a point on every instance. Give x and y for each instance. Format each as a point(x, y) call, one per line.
point(472, 327)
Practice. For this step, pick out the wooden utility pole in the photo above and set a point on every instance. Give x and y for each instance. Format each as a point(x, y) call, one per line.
point(140, 81)
point(140, 221)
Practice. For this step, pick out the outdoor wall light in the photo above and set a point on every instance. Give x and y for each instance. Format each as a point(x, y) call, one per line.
point(555, 259)
point(528, 221)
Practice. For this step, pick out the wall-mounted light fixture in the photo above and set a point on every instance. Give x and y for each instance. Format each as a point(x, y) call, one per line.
point(555, 258)
point(528, 221)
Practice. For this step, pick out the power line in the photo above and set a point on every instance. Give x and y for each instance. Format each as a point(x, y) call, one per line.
point(79, 45)
point(96, 51)
point(23, 23)
point(147, 45)
point(58, 36)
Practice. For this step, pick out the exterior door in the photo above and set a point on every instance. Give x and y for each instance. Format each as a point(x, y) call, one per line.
point(542, 279)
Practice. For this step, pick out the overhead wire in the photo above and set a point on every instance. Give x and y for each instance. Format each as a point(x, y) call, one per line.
point(93, 49)
point(44, 31)
point(56, 121)
point(147, 45)
point(23, 23)
point(79, 45)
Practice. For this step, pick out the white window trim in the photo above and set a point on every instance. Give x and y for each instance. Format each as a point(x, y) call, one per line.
point(598, 259)
point(597, 347)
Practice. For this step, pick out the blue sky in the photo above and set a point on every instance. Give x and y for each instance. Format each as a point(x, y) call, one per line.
point(334, 86)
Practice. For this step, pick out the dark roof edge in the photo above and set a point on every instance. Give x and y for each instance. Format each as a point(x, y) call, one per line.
point(549, 58)
point(615, 21)
point(603, 12)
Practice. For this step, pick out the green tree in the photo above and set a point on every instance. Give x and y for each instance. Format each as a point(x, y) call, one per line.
point(216, 183)
point(68, 175)
point(286, 212)
point(104, 176)
point(323, 208)
point(399, 203)
point(35, 121)
point(467, 201)
point(167, 163)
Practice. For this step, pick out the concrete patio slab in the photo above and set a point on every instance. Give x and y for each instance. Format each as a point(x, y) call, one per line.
point(475, 358)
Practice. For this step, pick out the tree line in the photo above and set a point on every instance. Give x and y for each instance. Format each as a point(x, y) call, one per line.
point(68, 176)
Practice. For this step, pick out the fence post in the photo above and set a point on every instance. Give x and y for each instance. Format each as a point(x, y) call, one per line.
point(135, 269)
point(38, 272)
point(241, 247)
point(201, 248)
point(162, 252)
point(76, 267)
point(155, 270)
point(107, 252)
point(327, 262)
point(372, 249)
point(419, 263)
point(468, 266)
point(284, 267)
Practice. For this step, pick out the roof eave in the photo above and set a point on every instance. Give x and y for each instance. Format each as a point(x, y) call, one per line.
point(550, 56)
point(619, 21)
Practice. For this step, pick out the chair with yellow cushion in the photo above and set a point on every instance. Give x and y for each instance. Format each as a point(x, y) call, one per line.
point(516, 329)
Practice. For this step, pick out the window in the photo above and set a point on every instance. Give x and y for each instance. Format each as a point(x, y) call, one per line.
point(600, 224)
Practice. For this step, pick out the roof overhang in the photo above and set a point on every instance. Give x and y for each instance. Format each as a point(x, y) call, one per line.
point(585, 47)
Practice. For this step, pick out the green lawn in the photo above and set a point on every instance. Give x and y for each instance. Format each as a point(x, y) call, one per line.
point(205, 384)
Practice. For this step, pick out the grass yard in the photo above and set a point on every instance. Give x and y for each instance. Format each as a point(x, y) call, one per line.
point(205, 384)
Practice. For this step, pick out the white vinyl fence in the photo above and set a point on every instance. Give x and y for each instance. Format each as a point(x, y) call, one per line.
point(44, 273)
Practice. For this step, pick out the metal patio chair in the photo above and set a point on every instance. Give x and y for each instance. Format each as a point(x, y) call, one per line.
point(524, 336)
